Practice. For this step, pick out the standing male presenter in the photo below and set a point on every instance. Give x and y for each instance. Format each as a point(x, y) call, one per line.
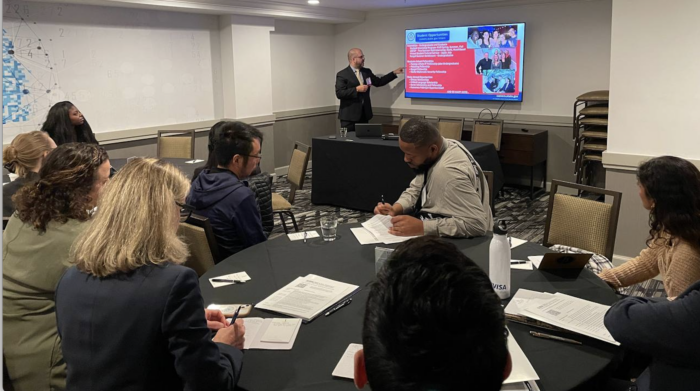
point(352, 86)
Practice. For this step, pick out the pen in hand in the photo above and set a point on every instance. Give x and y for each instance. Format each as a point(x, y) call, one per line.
point(235, 315)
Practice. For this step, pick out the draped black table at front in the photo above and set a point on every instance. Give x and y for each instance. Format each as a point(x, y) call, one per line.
point(321, 343)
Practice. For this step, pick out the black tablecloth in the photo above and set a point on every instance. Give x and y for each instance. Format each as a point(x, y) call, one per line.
point(186, 168)
point(320, 344)
point(355, 174)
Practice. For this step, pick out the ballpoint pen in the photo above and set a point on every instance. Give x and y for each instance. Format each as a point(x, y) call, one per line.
point(339, 306)
point(518, 262)
point(227, 280)
point(235, 315)
point(554, 337)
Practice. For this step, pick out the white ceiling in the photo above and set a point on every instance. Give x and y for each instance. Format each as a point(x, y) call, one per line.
point(370, 5)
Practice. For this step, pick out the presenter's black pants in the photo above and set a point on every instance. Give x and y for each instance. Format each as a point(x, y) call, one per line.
point(351, 125)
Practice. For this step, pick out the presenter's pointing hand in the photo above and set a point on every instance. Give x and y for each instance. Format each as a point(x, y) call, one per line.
point(399, 71)
point(362, 88)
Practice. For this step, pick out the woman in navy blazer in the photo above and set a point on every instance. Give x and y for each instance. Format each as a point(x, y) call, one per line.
point(129, 315)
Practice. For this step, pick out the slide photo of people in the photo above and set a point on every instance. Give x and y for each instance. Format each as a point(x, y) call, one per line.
point(486, 37)
point(499, 81)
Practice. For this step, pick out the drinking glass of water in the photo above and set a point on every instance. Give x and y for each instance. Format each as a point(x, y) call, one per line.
point(329, 226)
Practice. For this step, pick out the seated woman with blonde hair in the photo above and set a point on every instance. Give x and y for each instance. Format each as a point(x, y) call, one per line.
point(130, 316)
point(669, 188)
point(24, 157)
point(35, 254)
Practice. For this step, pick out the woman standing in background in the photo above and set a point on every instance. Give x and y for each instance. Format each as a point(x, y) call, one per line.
point(66, 124)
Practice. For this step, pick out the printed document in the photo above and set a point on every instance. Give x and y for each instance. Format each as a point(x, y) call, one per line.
point(270, 334)
point(571, 313)
point(307, 297)
point(379, 227)
point(364, 236)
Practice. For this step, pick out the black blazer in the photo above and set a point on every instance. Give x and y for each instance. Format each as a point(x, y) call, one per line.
point(668, 331)
point(353, 103)
point(144, 330)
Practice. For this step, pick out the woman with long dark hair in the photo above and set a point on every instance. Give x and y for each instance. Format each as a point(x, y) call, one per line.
point(66, 124)
point(669, 188)
point(35, 253)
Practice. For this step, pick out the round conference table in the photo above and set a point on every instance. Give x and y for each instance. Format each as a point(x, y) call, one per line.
point(321, 343)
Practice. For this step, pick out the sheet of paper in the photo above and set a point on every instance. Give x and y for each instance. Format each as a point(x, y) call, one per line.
point(346, 366)
point(522, 298)
point(256, 328)
point(280, 330)
point(306, 297)
point(379, 226)
point(515, 242)
point(300, 235)
point(243, 276)
point(536, 260)
point(252, 328)
point(364, 236)
point(195, 161)
point(571, 313)
point(521, 266)
point(525, 386)
point(522, 369)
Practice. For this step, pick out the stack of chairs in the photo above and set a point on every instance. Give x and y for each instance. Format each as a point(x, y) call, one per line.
point(590, 132)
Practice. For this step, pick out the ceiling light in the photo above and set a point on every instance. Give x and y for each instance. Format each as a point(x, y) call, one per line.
point(314, 2)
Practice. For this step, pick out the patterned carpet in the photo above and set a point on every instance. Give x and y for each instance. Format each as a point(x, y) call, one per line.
point(525, 218)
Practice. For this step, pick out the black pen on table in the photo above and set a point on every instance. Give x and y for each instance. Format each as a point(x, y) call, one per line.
point(227, 280)
point(339, 306)
point(515, 262)
point(554, 337)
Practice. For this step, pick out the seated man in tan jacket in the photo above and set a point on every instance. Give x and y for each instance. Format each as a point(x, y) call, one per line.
point(449, 195)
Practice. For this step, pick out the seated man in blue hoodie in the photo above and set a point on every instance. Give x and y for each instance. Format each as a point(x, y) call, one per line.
point(220, 194)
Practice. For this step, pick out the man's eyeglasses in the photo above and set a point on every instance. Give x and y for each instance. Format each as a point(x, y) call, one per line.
point(255, 156)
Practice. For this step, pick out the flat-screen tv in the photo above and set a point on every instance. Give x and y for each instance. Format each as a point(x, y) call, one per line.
point(471, 62)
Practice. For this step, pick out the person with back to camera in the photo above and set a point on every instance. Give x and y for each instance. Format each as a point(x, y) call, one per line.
point(148, 329)
point(432, 322)
point(24, 157)
point(353, 90)
point(669, 188)
point(449, 195)
point(66, 124)
point(50, 214)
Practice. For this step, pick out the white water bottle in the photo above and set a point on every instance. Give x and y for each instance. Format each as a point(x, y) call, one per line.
point(499, 260)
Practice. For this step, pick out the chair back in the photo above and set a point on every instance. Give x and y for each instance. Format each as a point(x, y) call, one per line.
point(451, 128)
point(577, 222)
point(406, 118)
point(488, 131)
point(297, 168)
point(5, 220)
point(200, 239)
point(179, 145)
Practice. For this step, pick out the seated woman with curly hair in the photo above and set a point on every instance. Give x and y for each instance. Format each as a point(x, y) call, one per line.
point(669, 188)
point(35, 251)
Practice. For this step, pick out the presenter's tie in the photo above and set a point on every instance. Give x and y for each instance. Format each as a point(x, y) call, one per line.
point(359, 77)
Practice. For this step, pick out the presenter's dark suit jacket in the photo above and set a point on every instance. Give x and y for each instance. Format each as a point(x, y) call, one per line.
point(353, 103)
point(143, 330)
point(668, 332)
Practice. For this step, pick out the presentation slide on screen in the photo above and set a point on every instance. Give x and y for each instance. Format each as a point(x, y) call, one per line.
point(472, 62)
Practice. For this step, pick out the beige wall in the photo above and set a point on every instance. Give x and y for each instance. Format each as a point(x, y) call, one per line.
point(633, 226)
